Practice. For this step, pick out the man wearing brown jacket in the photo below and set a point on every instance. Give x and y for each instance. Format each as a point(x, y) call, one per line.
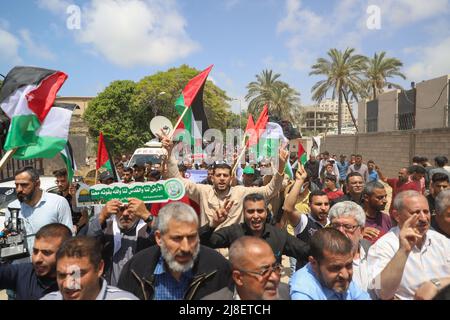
point(212, 197)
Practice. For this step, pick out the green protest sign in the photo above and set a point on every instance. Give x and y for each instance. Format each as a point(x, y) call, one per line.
point(149, 192)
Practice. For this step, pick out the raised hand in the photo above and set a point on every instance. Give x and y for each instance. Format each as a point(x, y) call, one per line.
point(221, 214)
point(409, 236)
point(167, 142)
point(301, 173)
point(283, 158)
point(110, 208)
point(138, 208)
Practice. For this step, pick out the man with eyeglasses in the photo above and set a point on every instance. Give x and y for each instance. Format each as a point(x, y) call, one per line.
point(328, 275)
point(377, 222)
point(255, 272)
point(355, 187)
point(350, 219)
point(256, 225)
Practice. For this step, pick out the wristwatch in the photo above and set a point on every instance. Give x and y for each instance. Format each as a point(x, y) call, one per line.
point(149, 219)
point(436, 282)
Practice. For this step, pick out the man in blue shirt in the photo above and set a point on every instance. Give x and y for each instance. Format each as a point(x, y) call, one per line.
point(328, 275)
point(373, 174)
point(342, 165)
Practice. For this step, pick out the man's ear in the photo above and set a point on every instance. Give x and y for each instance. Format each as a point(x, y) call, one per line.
point(101, 266)
point(314, 264)
point(158, 237)
point(237, 278)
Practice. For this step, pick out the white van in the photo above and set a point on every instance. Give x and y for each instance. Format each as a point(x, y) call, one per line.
point(152, 152)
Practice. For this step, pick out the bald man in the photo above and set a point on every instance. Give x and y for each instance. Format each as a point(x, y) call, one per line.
point(255, 272)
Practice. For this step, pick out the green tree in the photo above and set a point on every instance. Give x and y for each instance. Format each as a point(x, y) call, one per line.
point(109, 112)
point(149, 101)
point(342, 74)
point(379, 68)
point(278, 96)
point(123, 111)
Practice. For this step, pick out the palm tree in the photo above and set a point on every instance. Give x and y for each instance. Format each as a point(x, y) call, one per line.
point(277, 94)
point(343, 73)
point(378, 69)
point(283, 101)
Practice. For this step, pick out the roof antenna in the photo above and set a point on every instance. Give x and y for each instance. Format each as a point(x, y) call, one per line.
point(2, 76)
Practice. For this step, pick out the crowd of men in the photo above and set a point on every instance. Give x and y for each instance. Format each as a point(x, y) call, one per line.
point(225, 239)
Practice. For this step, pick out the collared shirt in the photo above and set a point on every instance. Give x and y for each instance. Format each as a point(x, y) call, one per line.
point(342, 167)
point(360, 270)
point(106, 293)
point(306, 286)
point(49, 209)
point(432, 260)
point(166, 286)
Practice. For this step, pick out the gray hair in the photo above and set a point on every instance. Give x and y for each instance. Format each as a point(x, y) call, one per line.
point(372, 185)
point(442, 201)
point(348, 209)
point(400, 198)
point(176, 210)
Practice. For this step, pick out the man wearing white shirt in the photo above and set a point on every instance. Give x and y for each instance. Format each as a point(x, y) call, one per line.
point(410, 255)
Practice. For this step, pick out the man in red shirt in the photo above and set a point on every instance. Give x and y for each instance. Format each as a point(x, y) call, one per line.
point(399, 184)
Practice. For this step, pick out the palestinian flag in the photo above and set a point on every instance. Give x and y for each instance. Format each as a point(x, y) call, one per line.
point(301, 154)
point(69, 160)
point(272, 139)
point(104, 159)
point(38, 129)
point(194, 121)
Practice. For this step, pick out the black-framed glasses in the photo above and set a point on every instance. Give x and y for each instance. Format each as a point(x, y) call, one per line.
point(266, 271)
point(346, 226)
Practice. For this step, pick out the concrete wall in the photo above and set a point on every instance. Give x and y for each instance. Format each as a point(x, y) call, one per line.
point(431, 110)
point(387, 107)
point(362, 115)
point(392, 150)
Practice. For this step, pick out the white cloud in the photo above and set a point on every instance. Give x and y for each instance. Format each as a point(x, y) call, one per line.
point(402, 12)
point(54, 6)
point(34, 49)
point(132, 32)
point(9, 47)
point(434, 61)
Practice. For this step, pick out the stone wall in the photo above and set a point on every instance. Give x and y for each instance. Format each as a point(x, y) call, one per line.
point(391, 150)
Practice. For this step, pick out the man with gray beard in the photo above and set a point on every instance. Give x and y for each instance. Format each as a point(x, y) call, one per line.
point(178, 267)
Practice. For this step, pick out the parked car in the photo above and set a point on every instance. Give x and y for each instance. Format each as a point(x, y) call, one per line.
point(8, 194)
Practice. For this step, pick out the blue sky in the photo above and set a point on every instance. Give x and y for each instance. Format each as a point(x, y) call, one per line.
point(129, 39)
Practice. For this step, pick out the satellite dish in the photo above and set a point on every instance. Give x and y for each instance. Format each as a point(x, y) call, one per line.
point(159, 123)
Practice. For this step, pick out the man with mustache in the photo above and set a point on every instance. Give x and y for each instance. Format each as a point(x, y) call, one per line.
point(410, 255)
point(37, 207)
point(79, 269)
point(305, 225)
point(255, 224)
point(398, 185)
point(178, 267)
point(377, 222)
point(31, 281)
point(256, 273)
point(354, 187)
point(328, 275)
point(212, 197)
point(127, 233)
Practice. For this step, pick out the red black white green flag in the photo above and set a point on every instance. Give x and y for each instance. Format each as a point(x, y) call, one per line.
point(194, 121)
point(38, 128)
point(104, 160)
